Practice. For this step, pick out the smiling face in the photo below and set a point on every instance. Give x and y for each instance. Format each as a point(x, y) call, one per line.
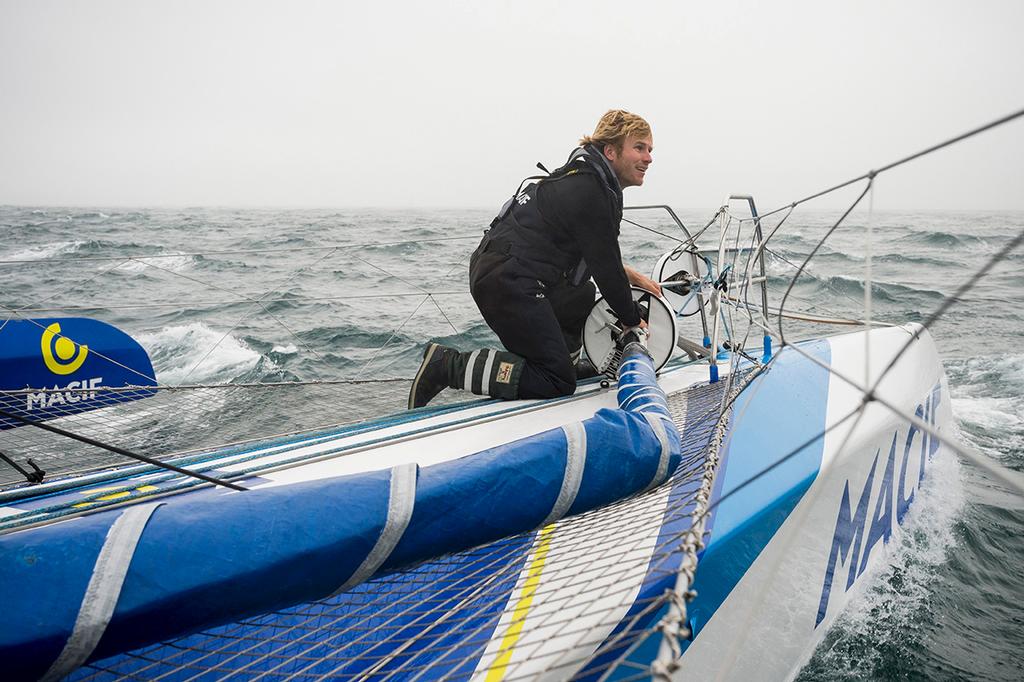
point(630, 164)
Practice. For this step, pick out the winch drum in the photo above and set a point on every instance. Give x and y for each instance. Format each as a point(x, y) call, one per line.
point(601, 329)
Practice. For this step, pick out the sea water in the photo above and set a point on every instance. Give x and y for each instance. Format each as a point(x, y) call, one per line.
point(226, 295)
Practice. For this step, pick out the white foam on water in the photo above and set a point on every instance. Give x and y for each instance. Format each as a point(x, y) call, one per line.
point(176, 350)
point(1007, 369)
point(43, 251)
point(173, 263)
point(993, 414)
point(898, 588)
point(288, 349)
point(989, 402)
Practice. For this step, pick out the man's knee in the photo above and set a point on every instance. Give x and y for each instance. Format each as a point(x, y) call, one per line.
point(547, 381)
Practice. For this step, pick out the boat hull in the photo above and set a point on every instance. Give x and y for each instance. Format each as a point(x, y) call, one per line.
point(808, 490)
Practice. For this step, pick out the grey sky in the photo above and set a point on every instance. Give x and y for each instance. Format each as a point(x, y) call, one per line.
point(393, 104)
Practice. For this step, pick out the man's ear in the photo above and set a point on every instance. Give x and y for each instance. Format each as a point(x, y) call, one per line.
point(610, 152)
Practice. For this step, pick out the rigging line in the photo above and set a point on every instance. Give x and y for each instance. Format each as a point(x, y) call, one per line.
point(811, 306)
point(192, 387)
point(391, 274)
point(1009, 476)
point(806, 317)
point(393, 334)
point(941, 310)
point(277, 319)
point(872, 173)
point(248, 312)
point(764, 245)
point(807, 260)
point(119, 450)
point(868, 282)
point(269, 313)
point(782, 460)
point(98, 354)
point(461, 599)
point(683, 243)
point(751, 259)
point(443, 314)
point(291, 299)
point(732, 310)
point(79, 284)
point(951, 301)
point(693, 240)
point(339, 247)
point(460, 263)
point(651, 229)
point(486, 572)
point(754, 255)
point(554, 622)
point(815, 277)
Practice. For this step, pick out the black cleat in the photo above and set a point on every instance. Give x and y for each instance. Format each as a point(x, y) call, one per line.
point(432, 377)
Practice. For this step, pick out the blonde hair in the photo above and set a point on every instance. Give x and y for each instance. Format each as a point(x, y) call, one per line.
point(614, 127)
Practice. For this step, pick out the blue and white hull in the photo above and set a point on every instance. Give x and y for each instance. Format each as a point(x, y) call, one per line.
point(791, 534)
point(799, 508)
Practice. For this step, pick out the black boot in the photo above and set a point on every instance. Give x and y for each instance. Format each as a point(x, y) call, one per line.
point(433, 375)
point(483, 372)
point(585, 370)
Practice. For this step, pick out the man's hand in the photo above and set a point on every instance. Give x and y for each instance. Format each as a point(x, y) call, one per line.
point(642, 281)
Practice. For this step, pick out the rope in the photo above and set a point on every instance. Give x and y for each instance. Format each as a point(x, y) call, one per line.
point(118, 450)
point(335, 247)
point(870, 175)
point(225, 302)
point(271, 643)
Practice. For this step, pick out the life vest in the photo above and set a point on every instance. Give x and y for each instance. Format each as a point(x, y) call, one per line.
point(520, 229)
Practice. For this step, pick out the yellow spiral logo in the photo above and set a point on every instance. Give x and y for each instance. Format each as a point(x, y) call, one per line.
point(59, 352)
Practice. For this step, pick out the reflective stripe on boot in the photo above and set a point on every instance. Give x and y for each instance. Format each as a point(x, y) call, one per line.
point(488, 372)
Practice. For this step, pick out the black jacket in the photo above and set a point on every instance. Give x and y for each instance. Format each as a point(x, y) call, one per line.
point(567, 226)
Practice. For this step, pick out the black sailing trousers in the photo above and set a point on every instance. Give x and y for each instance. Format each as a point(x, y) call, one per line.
point(539, 322)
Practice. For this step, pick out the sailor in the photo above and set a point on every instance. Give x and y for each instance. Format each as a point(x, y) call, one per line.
point(531, 274)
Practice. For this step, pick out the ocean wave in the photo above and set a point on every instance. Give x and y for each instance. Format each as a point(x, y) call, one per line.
point(43, 251)
point(944, 239)
point(195, 353)
point(988, 401)
point(172, 263)
point(871, 638)
point(885, 291)
point(845, 257)
point(999, 417)
point(391, 250)
point(350, 337)
point(906, 259)
point(988, 375)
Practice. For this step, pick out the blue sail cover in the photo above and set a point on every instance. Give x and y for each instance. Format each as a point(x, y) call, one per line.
point(112, 581)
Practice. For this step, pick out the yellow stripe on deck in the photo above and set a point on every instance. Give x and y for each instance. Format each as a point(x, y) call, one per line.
point(121, 493)
point(498, 668)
